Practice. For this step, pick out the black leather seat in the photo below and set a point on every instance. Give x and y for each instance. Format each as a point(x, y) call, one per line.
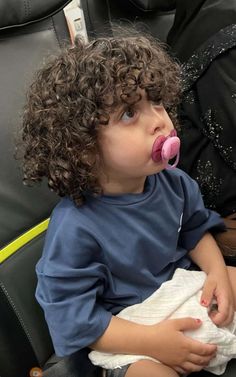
point(155, 16)
point(29, 31)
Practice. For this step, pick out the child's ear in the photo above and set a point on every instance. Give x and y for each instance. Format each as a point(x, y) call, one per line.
point(97, 161)
point(91, 158)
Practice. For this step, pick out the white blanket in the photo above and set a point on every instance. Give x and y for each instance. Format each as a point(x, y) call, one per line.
point(177, 298)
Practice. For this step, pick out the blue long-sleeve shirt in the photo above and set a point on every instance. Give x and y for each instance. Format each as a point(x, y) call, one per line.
point(115, 251)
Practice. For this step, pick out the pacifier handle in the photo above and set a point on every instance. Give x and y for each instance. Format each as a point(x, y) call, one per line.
point(166, 148)
point(170, 149)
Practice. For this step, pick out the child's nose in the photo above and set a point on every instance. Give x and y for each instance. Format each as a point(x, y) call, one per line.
point(160, 125)
point(158, 120)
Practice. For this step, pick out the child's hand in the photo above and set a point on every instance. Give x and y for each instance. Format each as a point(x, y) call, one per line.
point(217, 287)
point(178, 351)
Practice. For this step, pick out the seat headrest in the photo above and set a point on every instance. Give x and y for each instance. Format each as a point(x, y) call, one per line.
point(14, 13)
point(151, 5)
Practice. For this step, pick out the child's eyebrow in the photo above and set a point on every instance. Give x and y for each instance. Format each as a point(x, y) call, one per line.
point(124, 106)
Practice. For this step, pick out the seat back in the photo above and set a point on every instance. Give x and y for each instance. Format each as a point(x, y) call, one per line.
point(155, 16)
point(29, 32)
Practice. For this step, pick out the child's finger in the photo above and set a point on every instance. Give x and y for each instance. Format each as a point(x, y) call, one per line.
point(207, 293)
point(188, 323)
point(223, 316)
point(218, 318)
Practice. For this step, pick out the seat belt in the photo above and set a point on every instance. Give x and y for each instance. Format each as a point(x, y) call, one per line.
point(75, 20)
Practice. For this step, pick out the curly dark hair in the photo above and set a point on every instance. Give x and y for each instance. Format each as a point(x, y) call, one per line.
point(75, 93)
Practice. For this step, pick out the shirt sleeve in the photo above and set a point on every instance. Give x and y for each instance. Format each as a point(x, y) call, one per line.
point(197, 220)
point(71, 279)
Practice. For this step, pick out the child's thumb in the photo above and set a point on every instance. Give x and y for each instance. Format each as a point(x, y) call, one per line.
point(188, 323)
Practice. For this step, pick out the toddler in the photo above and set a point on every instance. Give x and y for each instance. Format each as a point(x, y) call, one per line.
point(97, 120)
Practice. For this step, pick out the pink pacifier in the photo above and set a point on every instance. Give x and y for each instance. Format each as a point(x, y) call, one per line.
point(165, 148)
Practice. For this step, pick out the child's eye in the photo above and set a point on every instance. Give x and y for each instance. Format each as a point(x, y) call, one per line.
point(129, 114)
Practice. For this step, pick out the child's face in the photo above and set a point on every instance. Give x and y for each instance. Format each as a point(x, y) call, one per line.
point(126, 142)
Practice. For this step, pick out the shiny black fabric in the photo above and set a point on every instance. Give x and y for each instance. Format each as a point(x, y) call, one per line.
point(196, 21)
point(207, 48)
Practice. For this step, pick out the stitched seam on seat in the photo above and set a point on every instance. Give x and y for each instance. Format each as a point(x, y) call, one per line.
point(27, 8)
point(34, 21)
point(55, 32)
point(19, 317)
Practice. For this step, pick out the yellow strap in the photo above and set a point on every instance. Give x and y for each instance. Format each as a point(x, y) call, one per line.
point(12, 247)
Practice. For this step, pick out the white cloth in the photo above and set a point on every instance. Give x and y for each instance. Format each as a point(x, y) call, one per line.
point(177, 298)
